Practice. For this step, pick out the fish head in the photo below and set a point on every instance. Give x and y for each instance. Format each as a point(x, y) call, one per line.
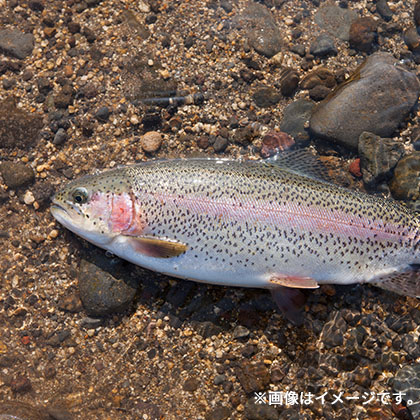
point(95, 207)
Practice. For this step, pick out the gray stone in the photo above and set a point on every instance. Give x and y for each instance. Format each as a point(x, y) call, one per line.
point(378, 156)
point(16, 43)
point(263, 33)
point(295, 117)
point(266, 96)
point(60, 136)
point(105, 285)
point(335, 20)
point(383, 9)
point(17, 174)
point(219, 379)
point(323, 46)
point(407, 380)
point(377, 98)
point(240, 332)
point(220, 144)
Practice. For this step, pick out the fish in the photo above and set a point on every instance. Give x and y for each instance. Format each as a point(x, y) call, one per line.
point(274, 225)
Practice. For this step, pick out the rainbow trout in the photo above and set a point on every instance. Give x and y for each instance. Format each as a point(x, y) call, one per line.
point(249, 224)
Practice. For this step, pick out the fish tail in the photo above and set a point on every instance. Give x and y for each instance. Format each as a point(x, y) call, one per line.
point(406, 283)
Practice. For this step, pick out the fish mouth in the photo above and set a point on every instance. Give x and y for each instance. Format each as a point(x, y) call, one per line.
point(56, 207)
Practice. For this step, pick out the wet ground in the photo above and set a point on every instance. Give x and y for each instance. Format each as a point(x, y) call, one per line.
point(201, 78)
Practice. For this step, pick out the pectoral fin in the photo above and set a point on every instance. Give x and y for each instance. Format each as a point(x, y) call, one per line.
point(157, 247)
point(294, 282)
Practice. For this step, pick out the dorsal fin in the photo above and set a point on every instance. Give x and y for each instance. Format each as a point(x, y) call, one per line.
point(302, 162)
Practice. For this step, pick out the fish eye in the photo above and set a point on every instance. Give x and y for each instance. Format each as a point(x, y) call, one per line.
point(80, 195)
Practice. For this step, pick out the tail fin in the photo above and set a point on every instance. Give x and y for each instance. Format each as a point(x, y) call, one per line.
point(405, 283)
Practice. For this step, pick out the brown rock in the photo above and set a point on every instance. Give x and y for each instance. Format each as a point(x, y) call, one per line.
point(354, 168)
point(320, 76)
point(203, 142)
point(253, 377)
point(68, 71)
point(18, 128)
point(363, 34)
point(17, 174)
point(151, 141)
point(405, 183)
point(191, 384)
point(289, 82)
point(49, 32)
point(21, 384)
point(274, 141)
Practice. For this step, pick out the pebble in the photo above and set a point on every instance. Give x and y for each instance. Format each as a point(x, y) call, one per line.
point(256, 411)
point(289, 82)
point(203, 142)
point(218, 413)
point(263, 33)
point(407, 380)
point(380, 90)
point(44, 85)
point(18, 128)
point(363, 34)
point(378, 157)
point(335, 20)
point(266, 96)
point(191, 384)
point(64, 98)
point(102, 114)
point(295, 117)
point(240, 332)
point(321, 76)
point(323, 46)
point(15, 43)
point(405, 184)
point(254, 377)
point(69, 302)
point(354, 168)
point(60, 137)
point(417, 13)
point(105, 286)
point(319, 92)
point(16, 174)
point(412, 39)
point(384, 10)
point(21, 384)
point(151, 141)
point(220, 144)
point(28, 198)
point(275, 141)
point(9, 83)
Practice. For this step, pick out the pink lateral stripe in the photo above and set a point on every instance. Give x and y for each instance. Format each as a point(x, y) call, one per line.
point(314, 219)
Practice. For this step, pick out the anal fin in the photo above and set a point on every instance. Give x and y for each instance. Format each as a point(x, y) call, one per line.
point(294, 282)
point(406, 283)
